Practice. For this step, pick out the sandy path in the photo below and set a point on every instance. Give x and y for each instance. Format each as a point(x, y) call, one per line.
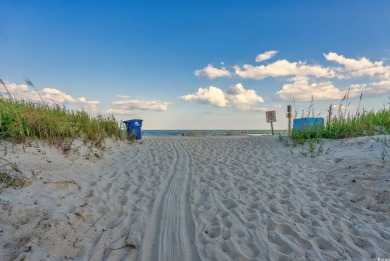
point(210, 198)
point(171, 233)
point(257, 202)
point(126, 199)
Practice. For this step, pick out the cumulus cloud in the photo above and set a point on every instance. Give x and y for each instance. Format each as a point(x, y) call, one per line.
point(283, 68)
point(52, 95)
point(119, 111)
point(83, 100)
point(351, 64)
point(346, 68)
point(360, 67)
point(265, 56)
point(242, 98)
point(49, 95)
point(13, 87)
point(370, 88)
point(16, 90)
point(301, 89)
point(56, 96)
point(385, 84)
point(379, 72)
point(128, 105)
point(123, 96)
point(211, 72)
point(212, 95)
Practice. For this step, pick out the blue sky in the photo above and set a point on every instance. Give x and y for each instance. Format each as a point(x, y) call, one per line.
point(197, 64)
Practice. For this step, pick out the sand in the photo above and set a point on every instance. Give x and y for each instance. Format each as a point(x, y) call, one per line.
point(199, 198)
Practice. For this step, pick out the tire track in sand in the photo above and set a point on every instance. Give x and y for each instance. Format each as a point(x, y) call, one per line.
point(171, 233)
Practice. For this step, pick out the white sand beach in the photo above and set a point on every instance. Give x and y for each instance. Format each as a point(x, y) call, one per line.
point(198, 198)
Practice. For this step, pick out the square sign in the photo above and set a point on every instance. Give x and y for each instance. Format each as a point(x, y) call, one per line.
point(270, 116)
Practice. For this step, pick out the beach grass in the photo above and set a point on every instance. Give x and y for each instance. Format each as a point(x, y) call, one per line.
point(346, 125)
point(10, 174)
point(340, 125)
point(22, 121)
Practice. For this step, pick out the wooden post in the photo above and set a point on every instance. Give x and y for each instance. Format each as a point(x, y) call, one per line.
point(289, 118)
point(272, 128)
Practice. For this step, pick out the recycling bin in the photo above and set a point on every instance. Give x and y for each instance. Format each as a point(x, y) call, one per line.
point(133, 127)
point(304, 123)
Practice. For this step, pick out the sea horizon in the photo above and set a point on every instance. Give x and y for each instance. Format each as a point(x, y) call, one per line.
point(221, 132)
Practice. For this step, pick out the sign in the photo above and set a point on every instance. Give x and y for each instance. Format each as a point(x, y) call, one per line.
point(270, 116)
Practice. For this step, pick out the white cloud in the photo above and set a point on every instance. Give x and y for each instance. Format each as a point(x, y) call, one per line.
point(49, 95)
point(370, 88)
point(301, 90)
point(242, 98)
point(119, 111)
point(385, 84)
point(343, 108)
point(361, 67)
point(211, 72)
point(265, 56)
point(283, 68)
point(52, 95)
point(16, 90)
point(13, 87)
point(129, 106)
point(141, 105)
point(386, 74)
point(56, 96)
point(212, 95)
point(351, 64)
point(372, 71)
point(92, 104)
point(357, 89)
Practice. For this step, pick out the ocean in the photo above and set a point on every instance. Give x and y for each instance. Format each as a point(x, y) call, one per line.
point(151, 133)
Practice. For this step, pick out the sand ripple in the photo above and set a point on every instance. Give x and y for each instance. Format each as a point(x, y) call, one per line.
point(208, 198)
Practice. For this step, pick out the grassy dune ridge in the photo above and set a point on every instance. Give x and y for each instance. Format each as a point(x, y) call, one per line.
point(21, 121)
point(342, 125)
point(25, 121)
point(347, 125)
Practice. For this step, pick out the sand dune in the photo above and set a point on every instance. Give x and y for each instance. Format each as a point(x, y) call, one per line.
point(199, 198)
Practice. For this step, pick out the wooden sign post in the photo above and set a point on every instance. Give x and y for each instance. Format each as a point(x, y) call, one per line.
point(289, 118)
point(271, 117)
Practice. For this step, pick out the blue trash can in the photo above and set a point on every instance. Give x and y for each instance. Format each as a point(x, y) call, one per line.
point(303, 123)
point(134, 127)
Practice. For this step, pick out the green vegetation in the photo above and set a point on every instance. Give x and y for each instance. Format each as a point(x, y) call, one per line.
point(345, 125)
point(23, 121)
point(10, 174)
point(340, 126)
